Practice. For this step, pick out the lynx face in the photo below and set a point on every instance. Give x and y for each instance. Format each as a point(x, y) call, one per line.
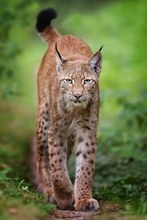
point(77, 84)
point(78, 81)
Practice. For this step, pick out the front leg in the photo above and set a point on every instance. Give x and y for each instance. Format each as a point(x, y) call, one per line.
point(85, 160)
point(62, 186)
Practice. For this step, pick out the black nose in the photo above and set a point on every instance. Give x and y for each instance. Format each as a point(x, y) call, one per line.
point(77, 96)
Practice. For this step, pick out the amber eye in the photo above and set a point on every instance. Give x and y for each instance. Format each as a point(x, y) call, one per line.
point(87, 81)
point(68, 81)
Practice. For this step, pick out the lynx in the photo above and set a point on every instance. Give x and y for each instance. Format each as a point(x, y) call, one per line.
point(67, 116)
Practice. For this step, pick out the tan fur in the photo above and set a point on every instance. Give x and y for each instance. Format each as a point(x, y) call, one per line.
point(63, 121)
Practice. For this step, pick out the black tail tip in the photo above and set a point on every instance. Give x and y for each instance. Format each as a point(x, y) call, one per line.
point(44, 18)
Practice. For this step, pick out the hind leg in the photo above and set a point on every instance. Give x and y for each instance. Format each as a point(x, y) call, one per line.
point(70, 145)
point(42, 154)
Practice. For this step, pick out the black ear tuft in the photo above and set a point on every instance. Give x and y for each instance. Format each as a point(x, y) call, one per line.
point(44, 18)
point(101, 48)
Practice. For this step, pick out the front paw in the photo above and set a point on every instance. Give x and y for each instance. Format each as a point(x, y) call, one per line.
point(86, 205)
point(63, 190)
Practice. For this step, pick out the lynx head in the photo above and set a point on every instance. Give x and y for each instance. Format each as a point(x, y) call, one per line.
point(78, 80)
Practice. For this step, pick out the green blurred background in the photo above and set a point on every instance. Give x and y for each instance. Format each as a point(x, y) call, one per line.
point(121, 26)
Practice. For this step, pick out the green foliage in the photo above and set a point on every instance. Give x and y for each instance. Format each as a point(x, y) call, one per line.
point(12, 18)
point(15, 193)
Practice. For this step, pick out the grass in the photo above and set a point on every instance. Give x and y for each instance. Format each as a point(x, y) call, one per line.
point(18, 196)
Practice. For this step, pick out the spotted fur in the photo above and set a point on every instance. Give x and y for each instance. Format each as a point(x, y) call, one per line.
point(67, 115)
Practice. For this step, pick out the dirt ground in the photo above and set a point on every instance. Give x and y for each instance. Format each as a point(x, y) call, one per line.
point(107, 211)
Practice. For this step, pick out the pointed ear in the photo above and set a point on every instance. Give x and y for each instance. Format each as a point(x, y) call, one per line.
point(60, 60)
point(95, 62)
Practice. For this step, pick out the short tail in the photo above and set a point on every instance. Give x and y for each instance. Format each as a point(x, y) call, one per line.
point(43, 25)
